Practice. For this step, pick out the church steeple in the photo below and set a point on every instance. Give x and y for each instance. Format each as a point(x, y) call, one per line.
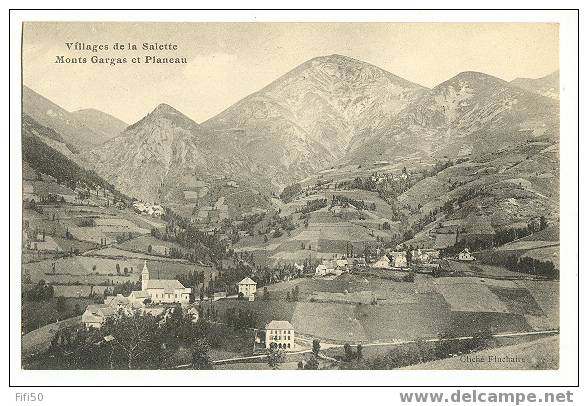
point(144, 277)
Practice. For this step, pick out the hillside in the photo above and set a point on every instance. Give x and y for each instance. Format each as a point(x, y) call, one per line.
point(470, 114)
point(306, 119)
point(475, 148)
point(102, 124)
point(44, 153)
point(165, 154)
point(49, 114)
point(547, 86)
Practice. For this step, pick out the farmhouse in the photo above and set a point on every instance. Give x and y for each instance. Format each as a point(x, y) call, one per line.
point(117, 302)
point(465, 255)
point(248, 288)
point(280, 332)
point(164, 290)
point(382, 263)
point(342, 264)
point(96, 314)
point(321, 270)
point(327, 268)
point(400, 260)
point(137, 297)
point(359, 262)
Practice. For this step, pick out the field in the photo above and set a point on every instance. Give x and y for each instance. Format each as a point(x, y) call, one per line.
point(73, 276)
point(116, 253)
point(542, 353)
point(38, 314)
point(142, 243)
point(340, 310)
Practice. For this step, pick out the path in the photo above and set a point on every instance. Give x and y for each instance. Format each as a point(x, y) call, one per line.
point(373, 344)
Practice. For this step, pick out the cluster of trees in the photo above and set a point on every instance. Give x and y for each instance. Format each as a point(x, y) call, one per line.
point(510, 234)
point(39, 292)
point(388, 187)
point(241, 318)
point(532, 266)
point(32, 205)
point(199, 246)
point(422, 351)
point(249, 222)
point(290, 192)
point(124, 288)
point(418, 225)
point(351, 355)
point(312, 205)
point(345, 201)
point(501, 237)
point(293, 295)
point(131, 341)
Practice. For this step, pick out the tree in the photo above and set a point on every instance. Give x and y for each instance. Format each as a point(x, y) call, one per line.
point(349, 355)
point(266, 294)
point(542, 223)
point(136, 339)
point(200, 358)
point(60, 304)
point(316, 347)
point(275, 356)
point(295, 293)
point(312, 363)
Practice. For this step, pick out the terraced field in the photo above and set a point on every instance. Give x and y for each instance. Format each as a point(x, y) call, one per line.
point(340, 309)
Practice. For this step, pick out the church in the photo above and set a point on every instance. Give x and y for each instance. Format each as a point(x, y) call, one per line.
point(161, 290)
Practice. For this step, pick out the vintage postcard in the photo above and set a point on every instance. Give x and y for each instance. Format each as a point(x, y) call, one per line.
point(290, 196)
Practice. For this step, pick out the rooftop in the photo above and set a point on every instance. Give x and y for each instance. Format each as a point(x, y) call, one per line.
point(279, 325)
point(247, 281)
point(168, 284)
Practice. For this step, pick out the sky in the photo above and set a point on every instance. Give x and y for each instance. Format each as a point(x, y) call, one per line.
point(228, 61)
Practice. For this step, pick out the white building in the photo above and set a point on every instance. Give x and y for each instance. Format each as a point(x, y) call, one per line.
point(465, 255)
point(382, 263)
point(137, 297)
point(400, 260)
point(327, 268)
point(321, 270)
point(163, 290)
point(96, 314)
point(280, 332)
point(248, 287)
point(342, 264)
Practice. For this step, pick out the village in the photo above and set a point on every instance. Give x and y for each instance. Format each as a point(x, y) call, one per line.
point(270, 282)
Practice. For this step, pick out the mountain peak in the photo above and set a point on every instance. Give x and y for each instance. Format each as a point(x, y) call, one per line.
point(167, 112)
point(164, 108)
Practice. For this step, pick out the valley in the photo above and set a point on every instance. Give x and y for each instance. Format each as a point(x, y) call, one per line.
point(366, 209)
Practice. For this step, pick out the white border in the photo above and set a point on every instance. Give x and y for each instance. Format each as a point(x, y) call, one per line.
point(566, 375)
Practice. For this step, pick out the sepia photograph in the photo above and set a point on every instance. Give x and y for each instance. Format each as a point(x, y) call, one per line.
point(290, 196)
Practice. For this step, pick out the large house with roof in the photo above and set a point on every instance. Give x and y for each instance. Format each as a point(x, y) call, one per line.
point(96, 314)
point(161, 290)
point(248, 287)
point(280, 332)
point(465, 255)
